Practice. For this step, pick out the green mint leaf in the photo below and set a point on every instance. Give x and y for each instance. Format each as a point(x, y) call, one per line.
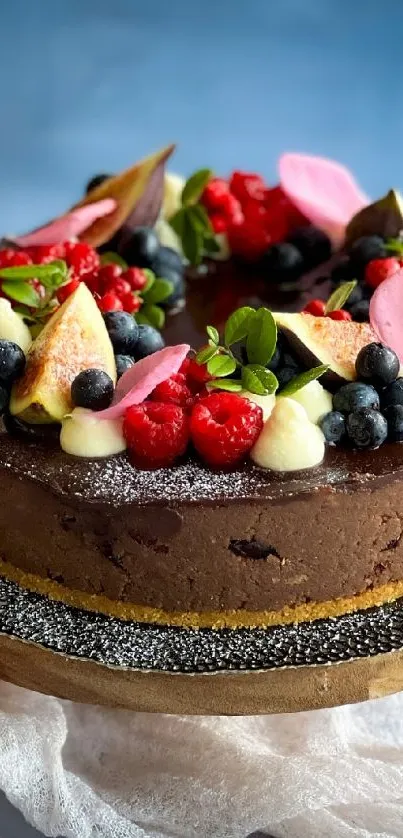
point(22, 292)
point(206, 354)
point(259, 380)
point(200, 219)
point(25, 313)
point(151, 315)
point(261, 338)
point(213, 334)
point(394, 246)
point(304, 378)
point(229, 384)
point(210, 244)
point(20, 272)
point(150, 281)
point(112, 258)
point(221, 365)
point(192, 241)
point(340, 296)
point(237, 325)
point(177, 222)
point(194, 186)
point(158, 291)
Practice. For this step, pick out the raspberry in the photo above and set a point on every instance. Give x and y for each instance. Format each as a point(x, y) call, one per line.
point(81, 258)
point(224, 427)
point(107, 275)
point(231, 209)
point(194, 372)
point(315, 307)
point(136, 278)
point(246, 185)
point(378, 270)
point(156, 434)
point(130, 302)
point(339, 314)
point(12, 258)
point(215, 193)
point(174, 391)
point(44, 253)
point(218, 222)
point(248, 240)
point(65, 290)
point(110, 302)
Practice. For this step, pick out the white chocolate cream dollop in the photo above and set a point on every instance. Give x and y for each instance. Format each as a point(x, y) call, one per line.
point(12, 326)
point(315, 399)
point(289, 441)
point(265, 402)
point(84, 435)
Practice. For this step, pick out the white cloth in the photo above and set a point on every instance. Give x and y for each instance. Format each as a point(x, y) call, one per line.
point(85, 771)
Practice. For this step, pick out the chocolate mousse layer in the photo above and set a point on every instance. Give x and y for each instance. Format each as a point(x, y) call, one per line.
point(187, 539)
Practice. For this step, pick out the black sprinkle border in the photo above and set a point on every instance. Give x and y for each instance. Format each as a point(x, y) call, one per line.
point(35, 618)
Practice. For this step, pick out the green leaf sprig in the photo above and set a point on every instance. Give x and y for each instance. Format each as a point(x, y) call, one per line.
point(258, 330)
point(394, 246)
point(16, 283)
point(191, 222)
point(340, 296)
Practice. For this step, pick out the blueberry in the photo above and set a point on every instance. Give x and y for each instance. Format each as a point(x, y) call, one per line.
point(377, 364)
point(275, 360)
point(167, 259)
point(392, 394)
point(360, 311)
point(394, 417)
point(355, 395)
point(289, 361)
point(283, 263)
point(96, 181)
point(313, 244)
point(123, 363)
point(285, 374)
point(141, 248)
point(4, 399)
point(12, 361)
point(367, 248)
point(342, 272)
point(356, 296)
point(333, 426)
point(92, 389)
point(178, 287)
point(150, 340)
point(367, 428)
point(123, 331)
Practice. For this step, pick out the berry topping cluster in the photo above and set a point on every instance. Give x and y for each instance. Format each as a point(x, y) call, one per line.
point(368, 411)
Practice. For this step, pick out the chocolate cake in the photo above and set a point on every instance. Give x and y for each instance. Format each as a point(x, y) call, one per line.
point(191, 546)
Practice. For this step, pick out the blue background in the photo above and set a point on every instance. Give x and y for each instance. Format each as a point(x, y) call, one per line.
point(92, 85)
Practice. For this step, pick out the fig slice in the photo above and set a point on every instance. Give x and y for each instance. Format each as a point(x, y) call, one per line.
point(74, 339)
point(382, 218)
point(138, 193)
point(321, 340)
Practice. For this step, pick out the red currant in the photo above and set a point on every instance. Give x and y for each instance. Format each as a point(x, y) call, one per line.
point(136, 278)
point(378, 270)
point(107, 275)
point(110, 302)
point(66, 290)
point(339, 314)
point(315, 307)
point(131, 302)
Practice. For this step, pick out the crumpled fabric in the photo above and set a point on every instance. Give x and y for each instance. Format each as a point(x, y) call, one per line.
point(81, 771)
